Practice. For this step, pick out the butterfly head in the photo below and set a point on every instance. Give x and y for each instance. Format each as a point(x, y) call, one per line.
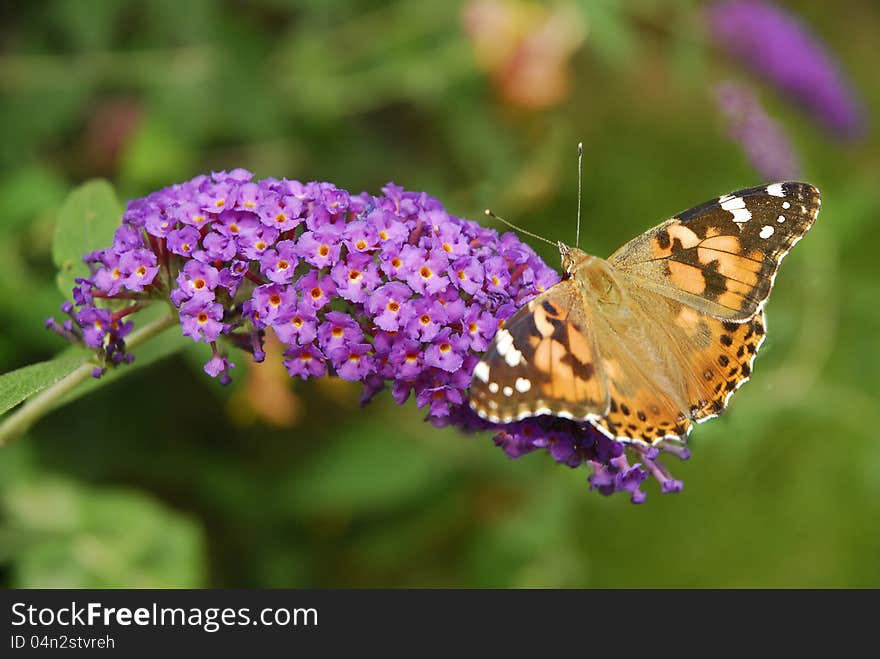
point(572, 258)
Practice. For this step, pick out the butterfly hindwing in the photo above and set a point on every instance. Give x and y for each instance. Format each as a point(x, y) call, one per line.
point(541, 361)
point(686, 366)
point(721, 257)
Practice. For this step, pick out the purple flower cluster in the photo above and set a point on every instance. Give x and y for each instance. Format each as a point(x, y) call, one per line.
point(762, 138)
point(386, 290)
point(774, 44)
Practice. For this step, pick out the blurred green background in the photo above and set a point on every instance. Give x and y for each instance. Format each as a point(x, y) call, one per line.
point(163, 478)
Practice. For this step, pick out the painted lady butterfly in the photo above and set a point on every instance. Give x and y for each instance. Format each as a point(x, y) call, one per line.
point(660, 334)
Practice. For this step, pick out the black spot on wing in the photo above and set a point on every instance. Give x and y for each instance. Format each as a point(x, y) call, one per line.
point(550, 308)
point(581, 370)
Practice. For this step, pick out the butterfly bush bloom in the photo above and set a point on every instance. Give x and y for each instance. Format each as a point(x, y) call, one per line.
point(387, 290)
point(762, 137)
point(774, 44)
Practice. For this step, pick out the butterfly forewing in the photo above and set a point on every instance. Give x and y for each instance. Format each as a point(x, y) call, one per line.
point(721, 257)
point(542, 361)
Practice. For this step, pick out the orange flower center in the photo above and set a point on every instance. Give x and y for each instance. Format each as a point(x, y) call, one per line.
point(472, 328)
point(297, 321)
point(199, 283)
point(316, 293)
point(396, 262)
point(220, 203)
point(425, 319)
point(495, 281)
point(281, 218)
point(282, 265)
point(354, 358)
point(383, 235)
point(336, 332)
point(447, 247)
point(275, 299)
point(305, 357)
point(360, 244)
point(393, 307)
point(233, 228)
point(260, 245)
point(445, 347)
point(462, 275)
point(412, 357)
point(141, 271)
point(425, 272)
point(354, 275)
point(323, 250)
point(116, 274)
point(202, 318)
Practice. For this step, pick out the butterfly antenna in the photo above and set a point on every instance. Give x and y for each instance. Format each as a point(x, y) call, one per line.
point(516, 228)
point(577, 236)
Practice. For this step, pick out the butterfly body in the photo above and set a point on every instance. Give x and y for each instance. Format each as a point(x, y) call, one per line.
point(657, 337)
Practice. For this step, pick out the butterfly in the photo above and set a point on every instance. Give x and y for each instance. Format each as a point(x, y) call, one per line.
point(657, 337)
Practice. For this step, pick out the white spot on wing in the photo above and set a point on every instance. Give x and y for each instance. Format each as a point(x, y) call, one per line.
point(504, 342)
point(780, 219)
point(775, 189)
point(766, 232)
point(513, 356)
point(786, 205)
point(481, 372)
point(737, 206)
point(523, 385)
point(507, 391)
point(493, 387)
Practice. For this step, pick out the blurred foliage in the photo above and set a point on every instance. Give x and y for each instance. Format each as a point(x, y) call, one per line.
point(166, 479)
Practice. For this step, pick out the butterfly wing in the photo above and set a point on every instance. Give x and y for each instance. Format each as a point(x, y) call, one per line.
point(721, 257)
point(542, 361)
point(671, 365)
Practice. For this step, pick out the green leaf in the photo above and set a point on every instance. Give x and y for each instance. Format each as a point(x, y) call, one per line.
point(86, 222)
point(17, 386)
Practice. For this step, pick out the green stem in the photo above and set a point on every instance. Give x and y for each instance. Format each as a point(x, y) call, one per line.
point(19, 421)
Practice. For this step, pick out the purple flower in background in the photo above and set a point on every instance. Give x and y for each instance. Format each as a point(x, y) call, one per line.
point(762, 138)
point(388, 290)
point(774, 44)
